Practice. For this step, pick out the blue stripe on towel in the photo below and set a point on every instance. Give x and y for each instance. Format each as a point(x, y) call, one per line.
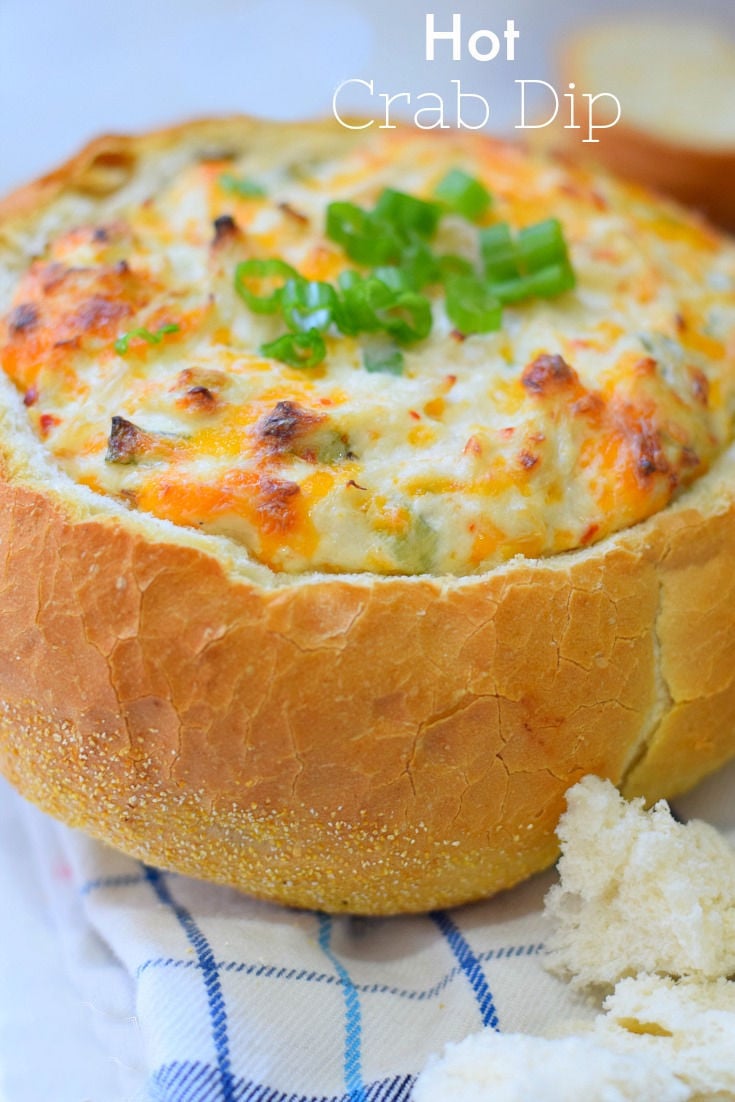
point(195, 1082)
point(304, 975)
point(112, 882)
point(470, 965)
point(353, 1023)
point(210, 974)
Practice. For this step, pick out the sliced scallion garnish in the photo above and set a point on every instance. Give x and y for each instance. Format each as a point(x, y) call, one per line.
point(472, 307)
point(122, 343)
point(552, 280)
point(450, 265)
point(498, 252)
point(406, 316)
point(307, 304)
point(363, 237)
point(297, 349)
point(407, 214)
point(541, 245)
point(357, 302)
point(418, 265)
point(392, 240)
point(259, 283)
point(463, 194)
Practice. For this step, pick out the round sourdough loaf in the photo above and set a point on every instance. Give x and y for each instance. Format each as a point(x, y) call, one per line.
point(351, 742)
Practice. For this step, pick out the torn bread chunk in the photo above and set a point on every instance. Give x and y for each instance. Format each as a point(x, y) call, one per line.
point(687, 1026)
point(515, 1067)
point(638, 892)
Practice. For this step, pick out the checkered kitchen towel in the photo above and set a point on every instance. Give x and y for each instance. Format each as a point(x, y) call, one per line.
point(203, 995)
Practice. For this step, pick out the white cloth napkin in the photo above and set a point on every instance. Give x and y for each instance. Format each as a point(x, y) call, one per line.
point(171, 990)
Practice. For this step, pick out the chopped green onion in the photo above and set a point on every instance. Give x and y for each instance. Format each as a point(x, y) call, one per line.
point(370, 303)
point(450, 265)
point(407, 213)
point(472, 305)
point(404, 314)
point(552, 280)
point(419, 265)
point(463, 194)
point(382, 357)
point(512, 290)
point(297, 349)
point(238, 185)
point(546, 283)
point(121, 344)
point(364, 238)
point(541, 245)
point(260, 283)
point(307, 304)
point(407, 317)
point(355, 309)
point(395, 278)
point(498, 252)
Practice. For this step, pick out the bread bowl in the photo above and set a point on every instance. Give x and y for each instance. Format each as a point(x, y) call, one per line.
point(383, 735)
point(675, 80)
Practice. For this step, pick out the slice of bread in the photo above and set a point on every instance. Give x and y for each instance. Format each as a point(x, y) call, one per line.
point(675, 80)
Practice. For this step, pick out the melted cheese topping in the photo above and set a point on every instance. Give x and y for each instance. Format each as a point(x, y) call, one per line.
point(581, 416)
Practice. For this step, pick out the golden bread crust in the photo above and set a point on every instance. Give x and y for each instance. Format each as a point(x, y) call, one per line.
point(352, 743)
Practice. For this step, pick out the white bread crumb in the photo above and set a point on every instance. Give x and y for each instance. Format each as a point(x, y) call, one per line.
point(638, 892)
point(688, 1026)
point(513, 1067)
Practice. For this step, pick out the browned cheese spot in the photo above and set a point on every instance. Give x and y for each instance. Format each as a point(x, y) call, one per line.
point(549, 374)
point(127, 443)
point(287, 423)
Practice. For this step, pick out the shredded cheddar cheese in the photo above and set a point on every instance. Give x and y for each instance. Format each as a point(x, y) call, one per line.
point(143, 373)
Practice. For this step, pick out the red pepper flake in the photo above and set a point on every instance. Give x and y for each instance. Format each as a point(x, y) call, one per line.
point(506, 433)
point(589, 534)
point(458, 335)
point(472, 447)
point(527, 460)
point(47, 421)
point(416, 416)
point(31, 396)
point(355, 485)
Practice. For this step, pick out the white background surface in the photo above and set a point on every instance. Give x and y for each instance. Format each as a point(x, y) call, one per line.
point(70, 69)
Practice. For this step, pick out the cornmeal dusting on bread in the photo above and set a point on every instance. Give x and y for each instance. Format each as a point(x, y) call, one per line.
point(142, 369)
